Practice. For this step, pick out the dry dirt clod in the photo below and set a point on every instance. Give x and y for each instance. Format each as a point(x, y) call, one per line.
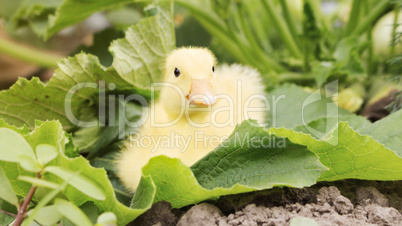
point(360, 213)
point(383, 215)
point(202, 214)
point(370, 195)
point(251, 213)
point(327, 195)
point(343, 205)
point(305, 212)
point(330, 208)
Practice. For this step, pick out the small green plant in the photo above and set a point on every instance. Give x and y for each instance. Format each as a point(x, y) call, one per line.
point(266, 35)
point(35, 168)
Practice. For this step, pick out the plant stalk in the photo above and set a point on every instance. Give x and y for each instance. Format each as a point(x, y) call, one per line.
point(260, 55)
point(43, 202)
point(8, 213)
point(201, 13)
point(370, 18)
point(225, 39)
point(316, 4)
point(22, 211)
point(370, 50)
point(295, 77)
point(289, 19)
point(172, 19)
point(28, 55)
point(353, 17)
point(245, 48)
point(282, 28)
point(257, 25)
point(394, 27)
point(215, 27)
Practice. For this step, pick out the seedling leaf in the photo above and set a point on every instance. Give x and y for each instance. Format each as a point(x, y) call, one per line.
point(6, 190)
point(45, 153)
point(84, 184)
point(13, 144)
point(72, 212)
point(39, 182)
point(48, 215)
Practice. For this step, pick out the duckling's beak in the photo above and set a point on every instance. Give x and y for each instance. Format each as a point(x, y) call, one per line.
point(201, 93)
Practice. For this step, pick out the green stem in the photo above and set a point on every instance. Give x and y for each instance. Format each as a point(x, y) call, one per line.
point(172, 19)
point(289, 19)
point(23, 210)
point(230, 39)
point(202, 14)
point(395, 26)
point(295, 77)
point(43, 202)
point(234, 18)
point(316, 4)
point(370, 64)
point(28, 55)
point(283, 30)
point(216, 28)
point(371, 17)
point(251, 38)
point(234, 25)
point(258, 28)
point(8, 213)
point(353, 17)
point(246, 51)
point(225, 40)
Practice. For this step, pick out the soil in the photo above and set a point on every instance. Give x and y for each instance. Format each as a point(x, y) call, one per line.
point(346, 203)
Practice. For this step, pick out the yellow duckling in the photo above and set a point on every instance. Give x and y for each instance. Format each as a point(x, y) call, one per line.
point(198, 108)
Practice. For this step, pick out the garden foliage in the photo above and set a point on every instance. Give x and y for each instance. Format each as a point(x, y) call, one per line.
point(305, 144)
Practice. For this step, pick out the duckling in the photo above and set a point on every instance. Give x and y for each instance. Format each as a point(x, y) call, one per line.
point(198, 108)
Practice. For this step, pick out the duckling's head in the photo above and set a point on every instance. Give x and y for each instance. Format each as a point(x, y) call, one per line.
point(189, 78)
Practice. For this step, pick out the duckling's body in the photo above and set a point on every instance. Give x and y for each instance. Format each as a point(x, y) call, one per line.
point(185, 126)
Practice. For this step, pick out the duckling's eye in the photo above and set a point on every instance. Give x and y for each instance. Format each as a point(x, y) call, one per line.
point(176, 72)
point(213, 68)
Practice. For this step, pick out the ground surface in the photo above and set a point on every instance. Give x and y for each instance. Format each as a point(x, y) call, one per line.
point(346, 203)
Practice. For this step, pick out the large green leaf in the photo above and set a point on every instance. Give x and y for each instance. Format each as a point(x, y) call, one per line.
point(47, 17)
point(72, 93)
point(174, 182)
point(387, 131)
point(354, 154)
point(34, 13)
point(138, 57)
point(256, 159)
point(249, 160)
point(323, 127)
point(27, 101)
point(81, 10)
point(291, 106)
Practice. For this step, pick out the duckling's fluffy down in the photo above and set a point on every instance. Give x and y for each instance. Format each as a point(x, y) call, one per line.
point(188, 142)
